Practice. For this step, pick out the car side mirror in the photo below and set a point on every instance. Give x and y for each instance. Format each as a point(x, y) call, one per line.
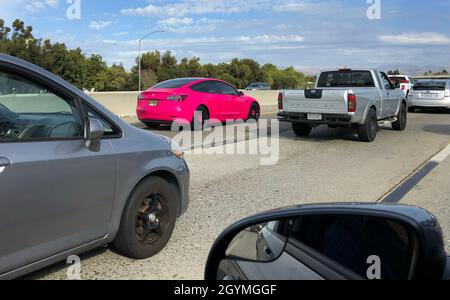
point(241, 93)
point(93, 133)
point(339, 241)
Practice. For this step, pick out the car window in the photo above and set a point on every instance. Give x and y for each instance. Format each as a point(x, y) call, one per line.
point(386, 82)
point(430, 85)
point(345, 78)
point(110, 129)
point(205, 87)
point(225, 89)
point(28, 111)
point(349, 241)
point(174, 83)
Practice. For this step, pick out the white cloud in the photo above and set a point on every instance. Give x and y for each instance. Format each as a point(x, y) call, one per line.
point(189, 25)
point(176, 21)
point(98, 25)
point(35, 6)
point(425, 38)
point(265, 38)
point(198, 7)
point(52, 3)
point(293, 7)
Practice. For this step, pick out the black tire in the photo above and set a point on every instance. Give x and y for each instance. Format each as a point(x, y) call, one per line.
point(368, 131)
point(254, 112)
point(148, 219)
point(204, 113)
point(411, 109)
point(402, 119)
point(301, 130)
point(151, 125)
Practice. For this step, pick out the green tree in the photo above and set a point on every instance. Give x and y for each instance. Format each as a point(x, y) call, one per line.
point(93, 73)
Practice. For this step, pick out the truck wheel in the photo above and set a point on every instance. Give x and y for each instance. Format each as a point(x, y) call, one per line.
point(148, 219)
point(402, 119)
point(301, 129)
point(368, 131)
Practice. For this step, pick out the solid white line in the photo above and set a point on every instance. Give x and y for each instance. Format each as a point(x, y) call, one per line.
point(441, 156)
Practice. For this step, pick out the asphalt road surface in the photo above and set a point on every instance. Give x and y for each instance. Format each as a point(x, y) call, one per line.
point(329, 166)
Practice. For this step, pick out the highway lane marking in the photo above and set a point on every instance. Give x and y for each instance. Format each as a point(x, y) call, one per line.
point(441, 156)
point(411, 181)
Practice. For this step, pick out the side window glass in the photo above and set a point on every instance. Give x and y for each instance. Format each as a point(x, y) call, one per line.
point(110, 130)
point(226, 89)
point(204, 87)
point(351, 240)
point(386, 82)
point(28, 111)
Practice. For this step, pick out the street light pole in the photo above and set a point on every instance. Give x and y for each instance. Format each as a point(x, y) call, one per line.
point(140, 41)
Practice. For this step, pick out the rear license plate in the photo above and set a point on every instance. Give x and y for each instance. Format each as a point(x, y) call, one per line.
point(315, 117)
point(429, 95)
point(153, 103)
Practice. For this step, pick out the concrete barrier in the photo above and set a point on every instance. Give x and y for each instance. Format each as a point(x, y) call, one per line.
point(124, 103)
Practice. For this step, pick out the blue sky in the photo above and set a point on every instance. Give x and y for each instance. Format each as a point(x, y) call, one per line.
point(307, 34)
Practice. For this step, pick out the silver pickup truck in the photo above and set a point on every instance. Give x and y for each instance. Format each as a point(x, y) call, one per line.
point(359, 99)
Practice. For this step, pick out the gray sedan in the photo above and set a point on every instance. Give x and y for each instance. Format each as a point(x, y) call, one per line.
point(430, 93)
point(73, 176)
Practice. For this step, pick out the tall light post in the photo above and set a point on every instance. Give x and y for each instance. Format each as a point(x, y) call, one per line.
point(140, 41)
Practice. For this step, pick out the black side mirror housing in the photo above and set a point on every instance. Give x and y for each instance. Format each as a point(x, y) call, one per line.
point(416, 226)
point(241, 93)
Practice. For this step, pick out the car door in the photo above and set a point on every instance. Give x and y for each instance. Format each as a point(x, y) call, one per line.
point(211, 96)
point(55, 194)
point(232, 102)
point(390, 97)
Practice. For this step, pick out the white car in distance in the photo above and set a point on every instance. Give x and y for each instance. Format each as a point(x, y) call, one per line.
point(404, 83)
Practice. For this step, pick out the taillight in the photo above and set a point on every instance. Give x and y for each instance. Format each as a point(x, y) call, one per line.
point(404, 81)
point(351, 103)
point(140, 97)
point(280, 101)
point(402, 87)
point(177, 98)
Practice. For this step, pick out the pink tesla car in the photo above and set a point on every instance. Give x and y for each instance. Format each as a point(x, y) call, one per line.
point(176, 100)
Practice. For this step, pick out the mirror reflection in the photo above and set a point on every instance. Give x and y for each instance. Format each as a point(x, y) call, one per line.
point(261, 242)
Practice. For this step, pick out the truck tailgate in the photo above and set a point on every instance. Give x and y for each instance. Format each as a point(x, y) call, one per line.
point(327, 101)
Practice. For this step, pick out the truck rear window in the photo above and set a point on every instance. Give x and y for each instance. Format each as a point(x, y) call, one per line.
point(345, 79)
